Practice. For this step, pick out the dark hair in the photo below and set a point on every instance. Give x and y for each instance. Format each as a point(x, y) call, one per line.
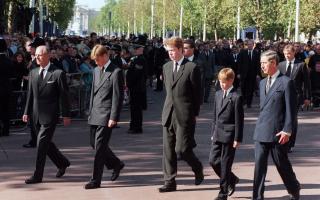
point(189, 42)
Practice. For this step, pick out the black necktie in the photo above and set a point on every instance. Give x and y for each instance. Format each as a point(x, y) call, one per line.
point(288, 72)
point(175, 71)
point(41, 74)
point(268, 85)
point(250, 54)
point(101, 72)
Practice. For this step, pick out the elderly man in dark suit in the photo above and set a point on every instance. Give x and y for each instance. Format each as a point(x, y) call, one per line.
point(104, 113)
point(47, 92)
point(182, 104)
point(274, 127)
point(298, 72)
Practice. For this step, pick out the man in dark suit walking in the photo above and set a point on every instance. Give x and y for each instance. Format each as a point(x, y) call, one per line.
point(227, 131)
point(249, 68)
point(104, 113)
point(274, 127)
point(47, 92)
point(298, 72)
point(182, 104)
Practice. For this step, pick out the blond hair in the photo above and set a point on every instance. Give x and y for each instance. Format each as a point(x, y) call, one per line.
point(175, 42)
point(226, 74)
point(98, 50)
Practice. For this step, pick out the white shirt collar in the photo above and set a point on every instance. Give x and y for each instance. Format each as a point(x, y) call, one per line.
point(107, 64)
point(274, 76)
point(45, 69)
point(179, 63)
point(229, 90)
point(191, 58)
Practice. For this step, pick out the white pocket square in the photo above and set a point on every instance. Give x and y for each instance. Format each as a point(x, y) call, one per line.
point(50, 82)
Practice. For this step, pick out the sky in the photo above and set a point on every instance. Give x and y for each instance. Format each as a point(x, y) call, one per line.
point(95, 4)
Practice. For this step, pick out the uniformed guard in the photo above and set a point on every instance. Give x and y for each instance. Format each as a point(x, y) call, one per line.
point(136, 82)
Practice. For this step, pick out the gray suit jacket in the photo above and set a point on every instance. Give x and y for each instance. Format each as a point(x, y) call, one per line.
point(300, 76)
point(183, 93)
point(106, 96)
point(277, 109)
point(46, 99)
point(228, 117)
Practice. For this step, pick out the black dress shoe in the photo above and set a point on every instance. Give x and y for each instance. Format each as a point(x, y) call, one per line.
point(232, 186)
point(29, 145)
point(62, 171)
point(91, 185)
point(198, 178)
point(33, 180)
point(168, 187)
point(295, 195)
point(116, 171)
point(221, 198)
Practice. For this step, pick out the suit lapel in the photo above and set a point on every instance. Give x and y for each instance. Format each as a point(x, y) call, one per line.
point(180, 72)
point(46, 78)
point(294, 70)
point(225, 101)
point(106, 75)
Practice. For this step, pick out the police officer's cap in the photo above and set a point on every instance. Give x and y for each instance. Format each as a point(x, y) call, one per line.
point(140, 41)
point(37, 42)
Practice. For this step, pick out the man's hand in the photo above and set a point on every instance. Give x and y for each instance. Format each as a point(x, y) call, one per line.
point(236, 144)
point(66, 121)
point(25, 118)
point(112, 123)
point(284, 138)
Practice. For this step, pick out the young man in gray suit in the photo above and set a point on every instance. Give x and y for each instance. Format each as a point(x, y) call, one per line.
point(47, 92)
point(274, 127)
point(105, 106)
point(182, 82)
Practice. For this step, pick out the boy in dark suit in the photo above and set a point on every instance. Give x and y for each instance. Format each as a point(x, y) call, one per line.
point(227, 131)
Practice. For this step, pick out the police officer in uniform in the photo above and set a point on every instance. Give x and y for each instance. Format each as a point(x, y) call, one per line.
point(136, 82)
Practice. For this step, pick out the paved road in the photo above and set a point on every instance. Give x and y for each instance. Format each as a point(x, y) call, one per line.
point(142, 155)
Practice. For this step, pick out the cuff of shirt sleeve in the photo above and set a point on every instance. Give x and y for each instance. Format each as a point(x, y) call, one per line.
point(288, 134)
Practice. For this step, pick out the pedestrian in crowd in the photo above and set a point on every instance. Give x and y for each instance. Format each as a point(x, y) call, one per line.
point(274, 127)
point(298, 72)
point(104, 113)
point(314, 66)
point(249, 67)
point(189, 53)
point(19, 72)
point(87, 69)
point(160, 57)
point(209, 69)
point(47, 97)
point(227, 132)
point(5, 90)
point(182, 80)
point(136, 82)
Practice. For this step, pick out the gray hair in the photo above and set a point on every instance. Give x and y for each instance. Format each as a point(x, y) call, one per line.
point(271, 55)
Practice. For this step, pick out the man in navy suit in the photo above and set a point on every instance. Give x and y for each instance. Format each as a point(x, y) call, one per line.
point(274, 127)
point(227, 131)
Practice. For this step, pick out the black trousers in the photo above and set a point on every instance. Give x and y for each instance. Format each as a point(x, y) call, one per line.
point(293, 136)
point(178, 141)
point(136, 111)
point(33, 132)
point(279, 154)
point(4, 116)
point(207, 88)
point(99, 140)
point(47, 147)
point(221, 158)
point(247, 89)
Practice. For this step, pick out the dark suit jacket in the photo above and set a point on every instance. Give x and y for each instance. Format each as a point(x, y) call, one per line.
point(106, 96)
point(209, 64)
point(277, 109)
point(249, 68)
point(300, 76)
point(183, 94)
point(228, 117)
point(49, 98)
